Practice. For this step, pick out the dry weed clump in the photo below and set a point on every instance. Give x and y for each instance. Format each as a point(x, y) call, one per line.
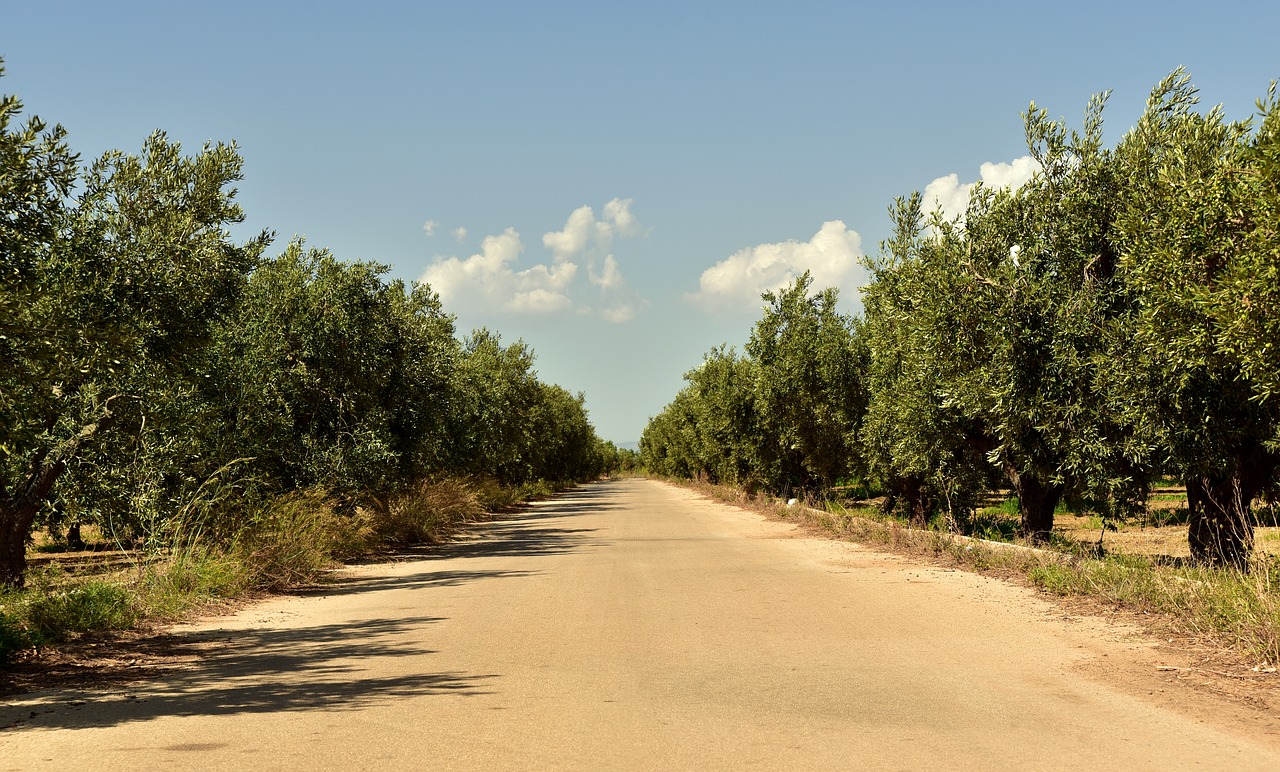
point(424, 513)
point(293, 538)
point(493, 496)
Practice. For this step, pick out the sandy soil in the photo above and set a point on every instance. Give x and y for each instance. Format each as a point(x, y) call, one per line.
point(633, 624)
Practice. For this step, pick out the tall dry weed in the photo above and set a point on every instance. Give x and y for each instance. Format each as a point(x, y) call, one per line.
point(293, 538)
point(422, 514)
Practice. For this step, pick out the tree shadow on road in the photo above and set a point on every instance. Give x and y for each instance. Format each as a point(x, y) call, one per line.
point(326, 667)
point(532, 532)
point(350, 585)
point(268, 670)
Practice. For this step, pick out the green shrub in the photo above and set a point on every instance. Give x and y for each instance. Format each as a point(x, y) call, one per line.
point(93, 606)
point(15, 638)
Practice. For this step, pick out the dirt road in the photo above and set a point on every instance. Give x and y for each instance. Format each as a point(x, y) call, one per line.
point(631, 624)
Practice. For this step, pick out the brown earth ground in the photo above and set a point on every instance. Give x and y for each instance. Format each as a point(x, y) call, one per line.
point(634, 624)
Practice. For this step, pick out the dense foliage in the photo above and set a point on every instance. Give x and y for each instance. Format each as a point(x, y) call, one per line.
point(1114, 320)
point(143, 353)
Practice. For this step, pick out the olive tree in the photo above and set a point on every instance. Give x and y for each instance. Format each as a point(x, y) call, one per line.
point(1196, 226)
point(108, 299)
point(919, 446)
point(809, 396)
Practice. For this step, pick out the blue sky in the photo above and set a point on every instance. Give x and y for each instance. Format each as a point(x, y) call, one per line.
point(719, 146)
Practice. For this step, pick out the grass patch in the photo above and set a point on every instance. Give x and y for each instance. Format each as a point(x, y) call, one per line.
point(168, 589)
point(90, 607)
point(15, 637)
point(1232, 608)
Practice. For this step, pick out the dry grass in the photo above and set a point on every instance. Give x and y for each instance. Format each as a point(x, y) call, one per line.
point(423, 514)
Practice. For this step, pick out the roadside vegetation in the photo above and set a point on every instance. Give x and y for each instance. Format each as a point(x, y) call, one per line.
point(223, 419)
point(1085, 349)
point(1227, 611)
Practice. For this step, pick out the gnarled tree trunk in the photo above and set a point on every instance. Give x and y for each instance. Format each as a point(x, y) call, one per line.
point(18, 511)
point(19, 507)
point(15, 526)
point(1037, 500)
point(1220, 515)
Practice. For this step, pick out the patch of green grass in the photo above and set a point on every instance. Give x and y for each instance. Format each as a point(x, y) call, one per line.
point(89, 607)
point(15, 636)
point(168, 589)
point(1094, 523)
point(1166, 517)
point(1010, 506)
point(991, 524)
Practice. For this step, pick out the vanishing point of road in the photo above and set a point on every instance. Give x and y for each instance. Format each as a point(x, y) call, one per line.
point(632, 624)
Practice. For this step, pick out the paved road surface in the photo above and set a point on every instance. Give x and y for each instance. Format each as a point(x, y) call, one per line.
point(631, 624)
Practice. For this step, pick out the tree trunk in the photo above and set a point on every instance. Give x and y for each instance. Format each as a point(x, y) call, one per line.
point(917, 497)
point(1036, 501)
point(1220, 516)
point(75, 542)
point(15, 526)
point(18, 509)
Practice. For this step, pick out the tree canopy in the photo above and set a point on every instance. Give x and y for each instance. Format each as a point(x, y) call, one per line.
point(145, 351)
point(1112, 321)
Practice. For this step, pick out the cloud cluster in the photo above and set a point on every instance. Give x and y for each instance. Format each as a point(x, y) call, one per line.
point(952, 196)
point(832, 256)
point(492, 278)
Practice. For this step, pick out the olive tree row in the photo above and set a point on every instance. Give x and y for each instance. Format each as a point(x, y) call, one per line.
point(784, 416)
point(145, 352)
point(1114, 320)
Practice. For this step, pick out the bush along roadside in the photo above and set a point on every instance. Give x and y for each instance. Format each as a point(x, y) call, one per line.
point(288, 541)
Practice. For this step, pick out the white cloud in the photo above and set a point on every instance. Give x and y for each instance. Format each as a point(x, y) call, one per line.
point(538, 301)
point(486, 276)
point(609, 277)
point(491, 278)
point(623, 312)
point(460, 234)
point(429, 227)
point(583, 231)
point(952, 196)
point(618, 212)
point(831, 256)
point(573, 239)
